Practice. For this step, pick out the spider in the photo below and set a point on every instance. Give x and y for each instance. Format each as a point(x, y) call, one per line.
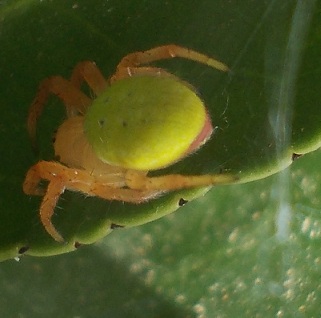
point(142, 119)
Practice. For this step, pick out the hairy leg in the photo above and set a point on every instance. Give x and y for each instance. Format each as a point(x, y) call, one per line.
point(61, 177)
point(88, 72)
point(133, 71)
point(134, 60)
point(75, 101)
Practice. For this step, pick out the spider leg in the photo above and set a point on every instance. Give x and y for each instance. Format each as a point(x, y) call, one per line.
point(47, 208)
point(74, 100)
point(134, 60)
point(88, 72)
point(31, 183)
point(85, 182)
point(61, 177)
point(133, 71)
point(51, 196)
point(175, 181)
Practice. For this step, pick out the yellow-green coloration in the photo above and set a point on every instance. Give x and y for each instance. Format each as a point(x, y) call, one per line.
point(138, 122)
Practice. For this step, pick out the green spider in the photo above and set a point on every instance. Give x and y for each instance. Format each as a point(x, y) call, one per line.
point(142, 119)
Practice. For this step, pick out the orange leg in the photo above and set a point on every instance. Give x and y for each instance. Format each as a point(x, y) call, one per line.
point(133, 71)
point(61, 177)
point(47, 207)
point(74, 100)
point(88, 72)
point(134, 60)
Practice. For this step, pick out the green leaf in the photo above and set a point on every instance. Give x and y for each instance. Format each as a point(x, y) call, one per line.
point(265, 110)
point(246, 250)
point(241, 251)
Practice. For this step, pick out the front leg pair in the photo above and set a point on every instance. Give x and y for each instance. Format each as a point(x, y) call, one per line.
point(75, 101)
point(62, 178)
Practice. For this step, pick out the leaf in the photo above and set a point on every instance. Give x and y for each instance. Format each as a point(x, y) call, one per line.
point(242, 250)
point(262, 111)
